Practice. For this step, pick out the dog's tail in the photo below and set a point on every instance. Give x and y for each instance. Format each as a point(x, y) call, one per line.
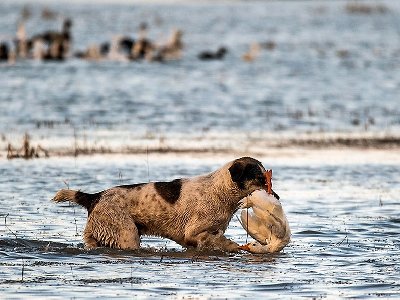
point(85, 200)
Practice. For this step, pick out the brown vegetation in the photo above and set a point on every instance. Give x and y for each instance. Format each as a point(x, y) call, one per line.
point(365, 8)
point(27, 151)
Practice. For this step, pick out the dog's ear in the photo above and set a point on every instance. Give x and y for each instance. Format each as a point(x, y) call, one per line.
point(246, 171)
point(237, 172)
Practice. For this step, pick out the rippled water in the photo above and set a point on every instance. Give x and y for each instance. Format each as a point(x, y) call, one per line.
point(344, 220)
point(331, 73)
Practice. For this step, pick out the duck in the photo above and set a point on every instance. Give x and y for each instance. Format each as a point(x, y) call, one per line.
point(57, 43)
point(252, 53)
point(117, 44)
point(4, 51)
point(211, 55)
point(256, 248)
point(21, 42)
point(142, 47)
point(262, 216)
point(171, 50)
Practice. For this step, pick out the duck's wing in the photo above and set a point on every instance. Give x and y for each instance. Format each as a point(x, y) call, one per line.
point(279, 239)
point(262, 200)
point(255, 227)
point(277, 225)
point(278, 212)
point(245, 216)
point(265, 216)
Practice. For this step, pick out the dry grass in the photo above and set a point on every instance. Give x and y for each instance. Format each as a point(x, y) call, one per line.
point(27, 151)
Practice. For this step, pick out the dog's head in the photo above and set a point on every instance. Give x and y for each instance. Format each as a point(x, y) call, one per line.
point(249, 175)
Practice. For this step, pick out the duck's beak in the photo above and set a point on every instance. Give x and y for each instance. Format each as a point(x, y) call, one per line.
point(276, 195)
point(244, 247)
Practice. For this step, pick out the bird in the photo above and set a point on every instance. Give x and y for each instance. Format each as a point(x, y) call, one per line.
point(4, 51)
point(56, 44)
point(252, 53)
point(256, 247)
point(263, 218)
point(210, 55)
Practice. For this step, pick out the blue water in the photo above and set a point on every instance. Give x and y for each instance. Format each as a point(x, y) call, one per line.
point(342, 204)
point(301, 86)
point(344, 221)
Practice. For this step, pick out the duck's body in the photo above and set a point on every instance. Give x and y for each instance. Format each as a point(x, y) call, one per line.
point(263, 218)
point(252, 53)
point(211, 55)
point(57, 44)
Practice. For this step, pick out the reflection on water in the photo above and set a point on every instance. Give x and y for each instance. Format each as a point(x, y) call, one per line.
point(343, 217)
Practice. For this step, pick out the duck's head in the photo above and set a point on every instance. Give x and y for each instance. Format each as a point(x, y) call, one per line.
point(249, 175)
point(255, 247)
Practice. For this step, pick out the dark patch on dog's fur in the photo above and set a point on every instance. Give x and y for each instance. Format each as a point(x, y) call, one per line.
point(141, 228)
point(86, 200)
point(191, 244)
point(246, 169)
point(169, 191)
point(132, 186)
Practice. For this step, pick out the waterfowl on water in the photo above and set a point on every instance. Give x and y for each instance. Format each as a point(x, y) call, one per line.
point(252, 53)
point(7, 53)
point(171, 50)
point(57, 43)
point(211, 55)
point(4, 51)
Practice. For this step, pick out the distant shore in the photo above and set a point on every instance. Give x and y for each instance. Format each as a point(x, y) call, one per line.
point(259, 145)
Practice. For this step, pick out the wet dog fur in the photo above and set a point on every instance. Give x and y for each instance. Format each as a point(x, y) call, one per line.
point(194, 212)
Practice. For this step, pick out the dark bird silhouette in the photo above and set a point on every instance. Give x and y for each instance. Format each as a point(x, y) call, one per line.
point(4, 51)
point(210, 55)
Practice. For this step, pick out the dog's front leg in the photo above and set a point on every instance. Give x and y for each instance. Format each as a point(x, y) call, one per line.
point(210, 240)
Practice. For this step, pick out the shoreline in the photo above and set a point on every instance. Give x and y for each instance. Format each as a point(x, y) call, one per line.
point(370, 149)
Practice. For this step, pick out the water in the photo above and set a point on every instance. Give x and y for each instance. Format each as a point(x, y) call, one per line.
point(304, 85)
point(187, 117)
point(344, 220)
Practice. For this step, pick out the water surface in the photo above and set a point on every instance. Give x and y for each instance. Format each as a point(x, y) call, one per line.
point(331, 74)
point(323, 76)
point(343, 218)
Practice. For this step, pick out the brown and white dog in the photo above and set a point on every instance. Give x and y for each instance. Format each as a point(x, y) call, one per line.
point(194, 212)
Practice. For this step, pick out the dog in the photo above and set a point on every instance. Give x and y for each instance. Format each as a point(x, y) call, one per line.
point(194, 212)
